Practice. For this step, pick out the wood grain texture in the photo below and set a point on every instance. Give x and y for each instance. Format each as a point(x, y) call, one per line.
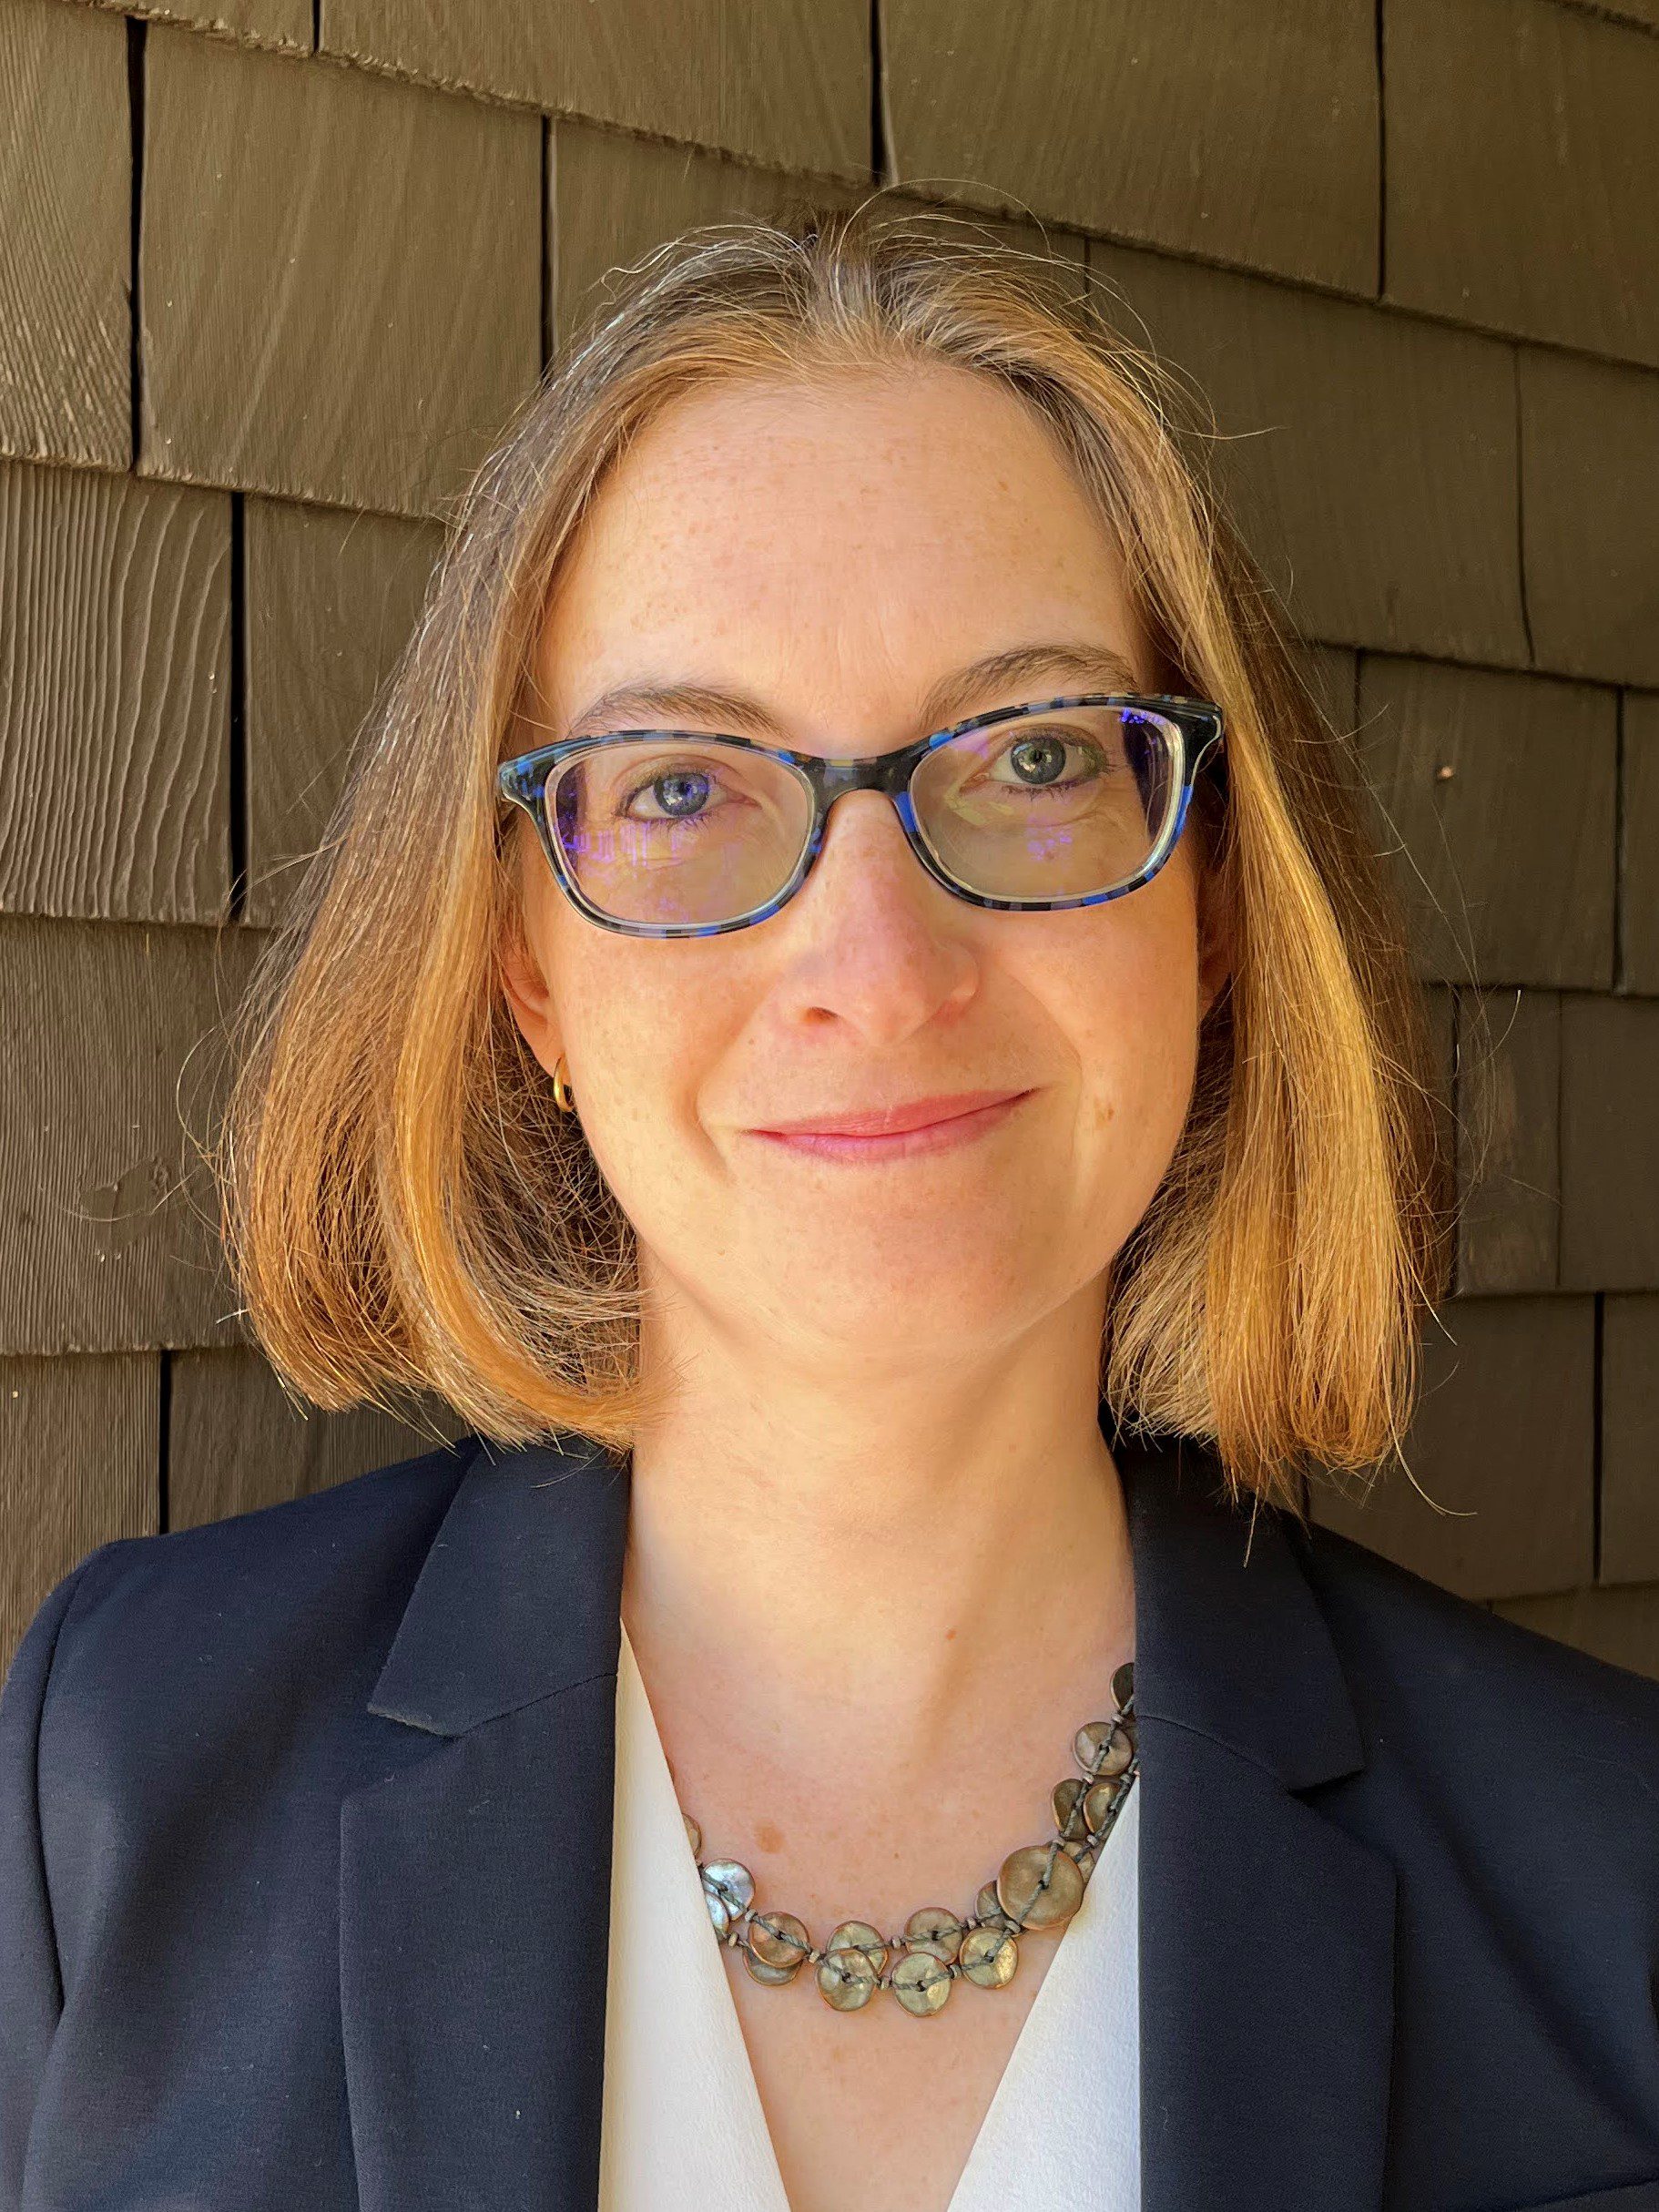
point(1639, 844)
point(77, 1468)
point(1609, 1159)
point(784, 82)
point(1500, 792)
point(1620, 1626)
point(1440, 1004)
point(65, 250)
point(613, 199)
point(267, 23)
point(115, 668)
point(331, 600)
point(1644, 12)
point(115, 1054)
point(1509, 1141)
point(1332, 675)
point(340, 292)
point(237, 1442)
point(1135, 120)
point(1505, 1435)
point(1522, 165)
point(1369, 457)
point(1589, 461)
point(1630, 1439)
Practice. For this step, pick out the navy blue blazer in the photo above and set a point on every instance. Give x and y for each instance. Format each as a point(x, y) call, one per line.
point(305, 1834)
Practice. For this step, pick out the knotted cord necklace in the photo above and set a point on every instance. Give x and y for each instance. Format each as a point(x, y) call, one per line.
point(1037, 1888)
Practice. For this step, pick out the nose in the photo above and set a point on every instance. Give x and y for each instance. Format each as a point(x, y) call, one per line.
point(876, 942)
point(865, 848)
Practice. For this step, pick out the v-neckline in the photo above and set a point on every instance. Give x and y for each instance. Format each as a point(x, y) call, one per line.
point(1083, 1957)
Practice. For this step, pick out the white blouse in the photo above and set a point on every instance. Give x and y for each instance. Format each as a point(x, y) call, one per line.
point(683, 2127)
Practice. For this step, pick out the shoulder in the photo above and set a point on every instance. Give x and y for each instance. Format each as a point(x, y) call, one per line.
point(151, 1639)
point(1493, 1725)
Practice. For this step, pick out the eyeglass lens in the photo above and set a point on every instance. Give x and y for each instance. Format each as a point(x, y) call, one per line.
point(669, 827)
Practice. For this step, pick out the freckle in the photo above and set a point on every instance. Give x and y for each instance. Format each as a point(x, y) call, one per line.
point(766, 1838)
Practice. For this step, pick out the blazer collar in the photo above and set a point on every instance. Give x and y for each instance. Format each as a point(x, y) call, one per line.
point(520, 1597)
point(1229, 1639)
point(475, 1877)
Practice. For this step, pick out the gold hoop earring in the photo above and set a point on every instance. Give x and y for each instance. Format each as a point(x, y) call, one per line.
point(564, 1097)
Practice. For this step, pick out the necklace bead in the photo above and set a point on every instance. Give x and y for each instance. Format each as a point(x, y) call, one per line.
point(921, 1983)
point(776, 1947)
point(1039, 1887)
point(936, 1931)
point(849, 1972)
point(990, 1955)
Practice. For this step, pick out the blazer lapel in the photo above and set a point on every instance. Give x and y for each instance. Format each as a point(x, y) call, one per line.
point(474, 1901)
point(474, 1920)
point(1267, 1944)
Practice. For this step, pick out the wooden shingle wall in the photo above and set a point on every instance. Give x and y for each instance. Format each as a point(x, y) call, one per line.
point(274, 272)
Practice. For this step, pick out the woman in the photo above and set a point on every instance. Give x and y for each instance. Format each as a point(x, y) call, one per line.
point(850, 1030)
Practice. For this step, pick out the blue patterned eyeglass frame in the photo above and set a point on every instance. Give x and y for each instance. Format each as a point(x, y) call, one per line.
point(1197, 724)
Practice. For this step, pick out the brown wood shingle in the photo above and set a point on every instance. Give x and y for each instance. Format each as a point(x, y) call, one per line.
point(1630, 1439)
point(270, 23)
point(1589, 460)
point(1501, 789)
point(115, 667)
point(1504, 1435)
point(1609, 1158)
point(340, 287)
point(1522, 163)
point(65, 234)
point(77, 1468)
point(1618, 1625)
point(332, 599)
point(1509, 1141)
point(1135, 121)
point(1639, 842)
point(1627, 11)
point(1332, 675)
point(1369, 456)
point(612, 199)
point(237, 1442)
point(111, 1242)
point(780, 81)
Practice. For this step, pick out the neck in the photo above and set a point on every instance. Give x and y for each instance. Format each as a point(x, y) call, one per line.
point(837, 1553)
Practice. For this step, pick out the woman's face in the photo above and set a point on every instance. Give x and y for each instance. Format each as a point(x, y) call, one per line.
point(831, 552)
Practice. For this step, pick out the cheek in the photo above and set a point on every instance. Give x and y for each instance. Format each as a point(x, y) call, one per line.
point(1131, 1008)
point(639, 1032)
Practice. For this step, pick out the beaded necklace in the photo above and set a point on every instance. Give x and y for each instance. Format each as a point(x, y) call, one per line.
point(1037, 1888)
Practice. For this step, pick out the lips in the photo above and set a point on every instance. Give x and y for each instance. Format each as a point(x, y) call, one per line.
point(891, 1121)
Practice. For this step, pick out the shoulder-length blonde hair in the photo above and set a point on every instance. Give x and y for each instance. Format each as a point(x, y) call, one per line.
point(405, 1208)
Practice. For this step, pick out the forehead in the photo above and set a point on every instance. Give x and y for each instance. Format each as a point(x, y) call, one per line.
point(869, 527)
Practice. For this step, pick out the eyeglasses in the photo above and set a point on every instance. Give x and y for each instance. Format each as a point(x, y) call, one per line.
point(1060, 802)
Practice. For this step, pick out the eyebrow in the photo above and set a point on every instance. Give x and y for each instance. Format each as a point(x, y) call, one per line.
point(1094, 667)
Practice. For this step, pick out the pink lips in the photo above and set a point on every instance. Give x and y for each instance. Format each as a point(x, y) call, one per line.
point(920, 1125)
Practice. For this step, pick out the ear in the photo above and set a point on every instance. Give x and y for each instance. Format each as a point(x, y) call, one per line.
point(526, 992)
